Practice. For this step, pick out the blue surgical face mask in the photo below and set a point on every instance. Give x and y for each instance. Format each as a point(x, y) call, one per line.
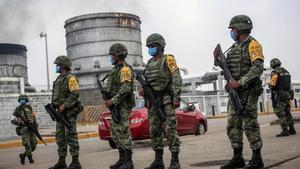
point(152, 51)
point(112, 60)
point(232, 35)
point(57, 69)
point(22, 102)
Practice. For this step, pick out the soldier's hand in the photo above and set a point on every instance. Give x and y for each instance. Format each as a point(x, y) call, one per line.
point(217, 53)
point(108, 103)
point(233, 84)
point(176, 104)
point(61, 108)
point(141, 91)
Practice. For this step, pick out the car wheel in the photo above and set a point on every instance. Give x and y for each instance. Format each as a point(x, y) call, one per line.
point(200, 129)
point(112, 144)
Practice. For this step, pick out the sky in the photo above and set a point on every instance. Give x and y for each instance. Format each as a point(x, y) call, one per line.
point(192, 28)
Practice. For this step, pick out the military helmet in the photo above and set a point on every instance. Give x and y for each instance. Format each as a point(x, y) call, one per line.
point(241, 22)
point(23, 96)
point(155, 38)
point(119, 50)
point(275, 63)
point(63, 61)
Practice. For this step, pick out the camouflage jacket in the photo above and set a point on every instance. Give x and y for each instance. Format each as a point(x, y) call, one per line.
point(66, 91)
point(26, 112)
point(163, 75)
point(120, 85)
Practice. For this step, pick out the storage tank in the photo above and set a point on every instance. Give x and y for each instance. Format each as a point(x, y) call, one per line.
point(13, 63)
point(89, 38)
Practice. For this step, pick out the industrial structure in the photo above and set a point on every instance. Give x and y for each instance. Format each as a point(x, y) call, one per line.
point(13, 68)
point(89, 38)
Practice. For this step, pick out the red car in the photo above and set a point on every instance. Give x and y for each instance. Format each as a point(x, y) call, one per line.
point(189, 121)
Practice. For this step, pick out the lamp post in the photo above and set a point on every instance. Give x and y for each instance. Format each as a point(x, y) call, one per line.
point(44, 35)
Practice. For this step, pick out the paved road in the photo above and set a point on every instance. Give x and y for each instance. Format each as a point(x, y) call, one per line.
point(206, 151)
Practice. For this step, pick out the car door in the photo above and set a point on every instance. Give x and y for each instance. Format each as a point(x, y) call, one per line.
point(188, 120)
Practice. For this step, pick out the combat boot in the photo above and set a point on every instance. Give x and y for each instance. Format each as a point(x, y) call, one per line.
point(75, 164)
point(120, 161)
point(284, 133)
point(30, 159)
point(256, 161)
point(61, 164)
point(175, 161)
point(158, 162)
point(237, 160)
point(128, 164)
point(22, 158)
point(292, 130)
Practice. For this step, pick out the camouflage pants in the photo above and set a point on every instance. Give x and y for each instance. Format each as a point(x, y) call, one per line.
point(29, 141)
point(283, 112)
point(157, 132)
point(121, 132)
point(65, 137)
point(248, 123)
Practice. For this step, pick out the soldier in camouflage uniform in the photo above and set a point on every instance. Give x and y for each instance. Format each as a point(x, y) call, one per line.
point(65, 97)
point(280, 85)
point(245, 61)
point(29, 140)
point(120, 87)
point(164, 78)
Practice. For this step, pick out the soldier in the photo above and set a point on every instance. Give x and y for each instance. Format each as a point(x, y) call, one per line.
point(120, 88)
point(280, 85)
point(245, 61)
point(65, 97)
point(29, 141)
point(163, 76)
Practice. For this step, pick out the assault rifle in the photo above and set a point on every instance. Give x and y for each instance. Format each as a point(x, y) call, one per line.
point(32, 128)
point(148, 93)
point(233, 95)
point(57, 116)
point(113, 109)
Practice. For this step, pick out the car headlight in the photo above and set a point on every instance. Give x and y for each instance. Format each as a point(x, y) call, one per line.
point(101, 123)
point(134, 121)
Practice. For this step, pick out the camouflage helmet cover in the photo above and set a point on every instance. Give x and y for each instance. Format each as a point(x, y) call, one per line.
point(119, 50)
point(23, 96)
point(241, 22)
point(155, 38)
point(63, 61)
point(275, 63)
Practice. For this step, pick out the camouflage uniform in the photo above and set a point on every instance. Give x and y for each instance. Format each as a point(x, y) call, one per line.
point(164, 78)
point(66, 92)
point(120, 87)
point(29, 140)
point(245, 61)
point(280, 85)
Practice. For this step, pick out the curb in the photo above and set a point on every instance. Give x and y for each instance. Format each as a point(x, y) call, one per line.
point(18, 143)
point(260, 114)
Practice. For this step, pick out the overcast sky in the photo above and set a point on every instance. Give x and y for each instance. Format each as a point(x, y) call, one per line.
point(192, 28)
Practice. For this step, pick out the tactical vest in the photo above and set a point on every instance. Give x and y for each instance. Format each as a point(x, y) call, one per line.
point(238, 59)
point(284, 79)
point(27, 113)
point(114, 84)
point(157, 74)
point(61, 89)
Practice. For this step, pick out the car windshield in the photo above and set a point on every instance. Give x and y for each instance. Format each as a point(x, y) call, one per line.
point(139, 103)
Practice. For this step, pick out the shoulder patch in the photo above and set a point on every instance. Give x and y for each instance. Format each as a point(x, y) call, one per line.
point(255, 51)
point(274, 78)
point(171, 62)
point(126, 74)
point(73, 84)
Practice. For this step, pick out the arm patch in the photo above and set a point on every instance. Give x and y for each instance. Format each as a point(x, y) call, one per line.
point(126, 74)
point(171, 62)
point(255, 51)
point(274, 78)
point(73, 84)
